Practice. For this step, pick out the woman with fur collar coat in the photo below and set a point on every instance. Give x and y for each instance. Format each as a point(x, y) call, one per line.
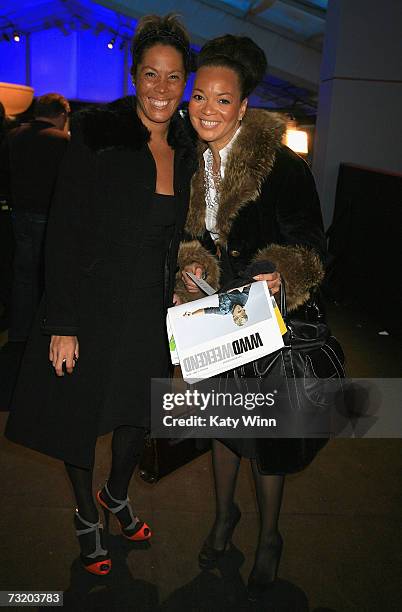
point(252, 200)
point(113, 236)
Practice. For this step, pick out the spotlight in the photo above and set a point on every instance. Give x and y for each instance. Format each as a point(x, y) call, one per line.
point(296, 139)
point(110, 44)
point(16, 37)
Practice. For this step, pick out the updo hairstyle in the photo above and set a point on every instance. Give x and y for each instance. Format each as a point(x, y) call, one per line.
point(240, 54)
point(155, 30)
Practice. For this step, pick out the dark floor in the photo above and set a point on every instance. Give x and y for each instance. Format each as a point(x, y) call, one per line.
point(341, 522)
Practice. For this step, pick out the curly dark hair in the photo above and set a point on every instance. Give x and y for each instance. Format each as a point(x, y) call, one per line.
point(154, 30)
point(51, 105)
point(239, 53)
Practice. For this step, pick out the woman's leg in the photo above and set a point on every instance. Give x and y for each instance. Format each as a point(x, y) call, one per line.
point(81, 480)
point(127, 446)
point(94, 555)
point(127, 443)
point(269, 490)
point(225, 467)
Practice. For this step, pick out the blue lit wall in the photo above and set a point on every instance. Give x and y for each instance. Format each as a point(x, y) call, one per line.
point(54, 62)
point(100, 71)
point(80, 66)
point(12, 62)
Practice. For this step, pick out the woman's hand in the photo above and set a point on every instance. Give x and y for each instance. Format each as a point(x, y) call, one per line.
point(197, 270)
point(63, 349)
point(273, 281)
point(176, 300)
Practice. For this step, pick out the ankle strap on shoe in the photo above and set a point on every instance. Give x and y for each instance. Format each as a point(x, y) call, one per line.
point(92, 527)
point(122, 503)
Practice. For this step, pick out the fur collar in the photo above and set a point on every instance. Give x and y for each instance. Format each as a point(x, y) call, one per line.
point(249, 163)
point(117, 125)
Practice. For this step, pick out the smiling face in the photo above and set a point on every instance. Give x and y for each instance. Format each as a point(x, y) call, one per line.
point(215, 107)
point(238, 310)
point(239, 315)
point(160, 81)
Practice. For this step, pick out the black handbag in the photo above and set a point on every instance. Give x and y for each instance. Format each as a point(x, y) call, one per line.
point(311, 361)
point(310, 350)
point(161, 456)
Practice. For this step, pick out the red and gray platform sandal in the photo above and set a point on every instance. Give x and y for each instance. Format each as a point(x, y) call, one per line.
point(98, 562)
point(136, 530)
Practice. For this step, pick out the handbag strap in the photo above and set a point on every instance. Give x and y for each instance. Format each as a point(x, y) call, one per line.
point(282, 302)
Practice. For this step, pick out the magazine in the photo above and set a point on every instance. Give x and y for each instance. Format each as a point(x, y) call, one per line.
point(222, 331)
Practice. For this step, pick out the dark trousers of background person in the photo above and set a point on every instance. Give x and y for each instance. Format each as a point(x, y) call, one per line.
point(28, 273)
point(6, 262)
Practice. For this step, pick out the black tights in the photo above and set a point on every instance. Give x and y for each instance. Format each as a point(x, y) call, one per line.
point(269, 489)
point(127, 443)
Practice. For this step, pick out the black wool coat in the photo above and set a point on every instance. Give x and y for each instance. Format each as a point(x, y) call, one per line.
point(97, 222)
point(269, 211)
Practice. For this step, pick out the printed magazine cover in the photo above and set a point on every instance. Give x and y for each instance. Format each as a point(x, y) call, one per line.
point(222, 331)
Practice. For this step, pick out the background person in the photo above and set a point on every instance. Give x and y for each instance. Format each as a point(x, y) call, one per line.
point(253, 200)
point(6, 234)
point(35, 151)
point(119, 210)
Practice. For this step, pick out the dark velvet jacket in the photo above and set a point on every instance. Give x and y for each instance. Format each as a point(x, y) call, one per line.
point(269, 210)
point(97, 221)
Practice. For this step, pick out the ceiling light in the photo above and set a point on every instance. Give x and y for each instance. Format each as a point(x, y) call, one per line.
point(110, 44)
point(16, 37)
point(297, 140)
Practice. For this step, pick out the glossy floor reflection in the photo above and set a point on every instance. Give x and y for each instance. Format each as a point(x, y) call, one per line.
point(341, 523)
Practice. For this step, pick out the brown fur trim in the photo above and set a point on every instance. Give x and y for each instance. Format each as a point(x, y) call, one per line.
point(300, 267)
point(190, 252)
point(249, 162)
point(184, 295)
point(195, 224)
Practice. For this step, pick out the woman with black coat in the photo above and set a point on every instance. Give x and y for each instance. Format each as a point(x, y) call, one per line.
point(113, 235)
point(253, 201)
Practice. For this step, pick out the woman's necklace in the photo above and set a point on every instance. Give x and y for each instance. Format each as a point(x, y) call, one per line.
point(212, 181)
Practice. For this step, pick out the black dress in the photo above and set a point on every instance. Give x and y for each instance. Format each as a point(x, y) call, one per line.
point(116, 385)
point(149, 354)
